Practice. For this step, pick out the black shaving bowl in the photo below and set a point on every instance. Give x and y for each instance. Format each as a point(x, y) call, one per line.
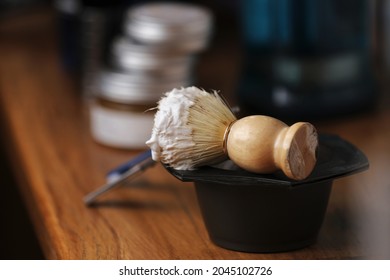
point(250, 212)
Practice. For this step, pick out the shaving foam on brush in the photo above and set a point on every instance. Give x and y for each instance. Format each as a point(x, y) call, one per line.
point(193, 128)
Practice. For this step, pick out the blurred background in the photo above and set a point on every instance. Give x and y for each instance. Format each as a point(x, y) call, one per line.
point(314, 60)
point(294, 59)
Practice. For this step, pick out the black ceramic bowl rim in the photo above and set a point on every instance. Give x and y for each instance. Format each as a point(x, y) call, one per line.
point(335, 158)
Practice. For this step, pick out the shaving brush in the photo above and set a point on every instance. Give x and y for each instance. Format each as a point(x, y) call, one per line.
point(193, 128)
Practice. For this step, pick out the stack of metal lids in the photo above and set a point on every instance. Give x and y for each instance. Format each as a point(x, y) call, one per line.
point(151, 60)
point(156, 51)
point(135, 88)
point(180, 26)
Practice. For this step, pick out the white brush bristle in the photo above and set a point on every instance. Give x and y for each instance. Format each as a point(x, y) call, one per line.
point(189, 128)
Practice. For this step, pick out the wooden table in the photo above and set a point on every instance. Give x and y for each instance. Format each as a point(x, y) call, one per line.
point(56, 163)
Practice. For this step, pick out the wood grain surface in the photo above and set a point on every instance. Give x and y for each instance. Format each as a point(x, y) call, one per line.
point(56, 163)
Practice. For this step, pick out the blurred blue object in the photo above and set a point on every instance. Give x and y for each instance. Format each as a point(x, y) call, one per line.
point(307, 58)
point(125, 171)
point(117, 172)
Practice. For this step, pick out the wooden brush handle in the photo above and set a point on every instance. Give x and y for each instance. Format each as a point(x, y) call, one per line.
point(264, 144)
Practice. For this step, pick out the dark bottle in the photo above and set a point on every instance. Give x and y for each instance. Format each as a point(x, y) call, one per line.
point(86, 29)
point(306, 58)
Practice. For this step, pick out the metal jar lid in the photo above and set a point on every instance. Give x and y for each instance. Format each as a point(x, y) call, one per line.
point(183, 26)
point(134, 89)
point(151, 59)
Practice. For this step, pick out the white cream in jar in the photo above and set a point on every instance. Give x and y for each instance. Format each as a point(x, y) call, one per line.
point(119, 112)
